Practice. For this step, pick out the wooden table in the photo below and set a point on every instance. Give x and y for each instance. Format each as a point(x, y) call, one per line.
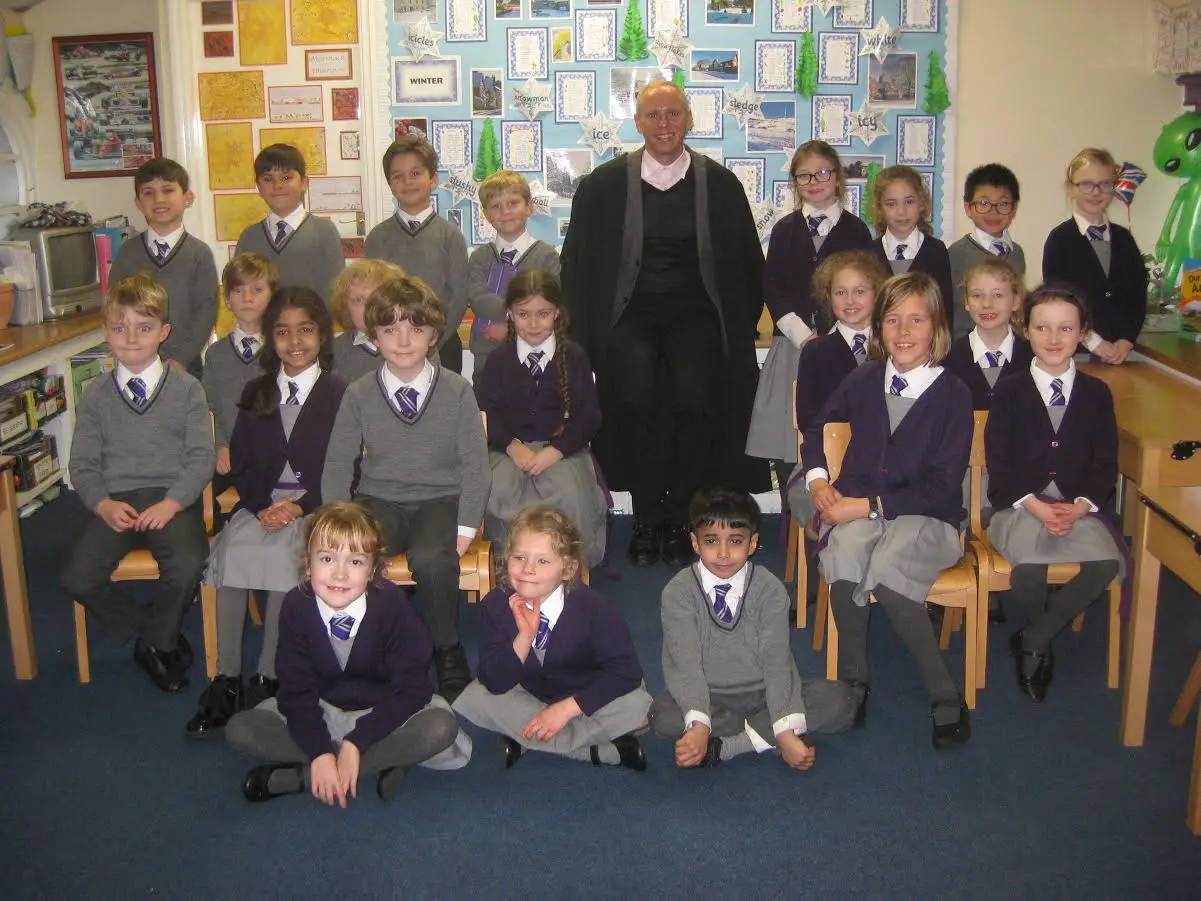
point(1172, 350)
point(1155, 410)
point(1166, 532)
point(35, 347)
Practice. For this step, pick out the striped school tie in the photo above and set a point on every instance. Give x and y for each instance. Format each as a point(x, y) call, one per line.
point(543, 632)
point(1097, 232)
point(1057, 398)
point(406, 400)
point(814, 223)
point(137, 391)
point(293, 400)
point(1000, 248)
point(247, 349)
point(163, 249)
point(508, 257)
point(281, 232)
point(995, 359)
point(901, 248)
point(339, 626)
point(859, 348)
point(414, 224)
point(533, 362)
point(720, 607)
point(898, 385)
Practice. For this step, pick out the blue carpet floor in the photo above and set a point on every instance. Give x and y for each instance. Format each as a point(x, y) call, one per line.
point(103, 797)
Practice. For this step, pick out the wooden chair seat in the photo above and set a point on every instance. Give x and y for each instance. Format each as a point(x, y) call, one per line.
point(475, 570)
point(139, 565)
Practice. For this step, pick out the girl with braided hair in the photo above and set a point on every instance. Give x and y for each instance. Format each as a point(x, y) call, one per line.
point(540, 398)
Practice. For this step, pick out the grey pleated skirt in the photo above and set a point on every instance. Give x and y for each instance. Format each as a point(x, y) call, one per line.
point(245, 555)
point(570, 485)
point(905, 554)
point(1022, 538)
point(771, 435)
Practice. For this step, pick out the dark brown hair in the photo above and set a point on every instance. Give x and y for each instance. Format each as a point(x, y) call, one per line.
point(414, 144)
point(541, 283)
point(160, 167)
point(405, 298)
point(246, 268)
point(278, 157)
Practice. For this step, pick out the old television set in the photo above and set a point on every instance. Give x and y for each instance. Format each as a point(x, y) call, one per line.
point(67, 271)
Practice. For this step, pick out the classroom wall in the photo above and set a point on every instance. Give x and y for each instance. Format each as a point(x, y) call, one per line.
point(1010, 104)
point(1015, 58)
point(53, 18)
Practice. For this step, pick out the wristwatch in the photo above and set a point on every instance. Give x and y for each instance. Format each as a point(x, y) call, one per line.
point(873, 508)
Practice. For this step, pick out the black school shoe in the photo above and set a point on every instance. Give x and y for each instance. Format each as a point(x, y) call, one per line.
point(713, 755)
point(677, 545)
point(510, 751)
point(163, 667)
point(644, 544)
point(260, 689)
point(221, 700)
point(949, 735)
point(273, 780)
point(389, 781)
point(629, 752)
point(1034, 669)
point(454, 674)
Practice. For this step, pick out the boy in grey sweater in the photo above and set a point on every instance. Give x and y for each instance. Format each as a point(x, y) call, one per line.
point(507, 204)
point(732, 683)
point(416, 434)
point(179, 262)
point(141, 456)
point(419, 241)
point(306, 248)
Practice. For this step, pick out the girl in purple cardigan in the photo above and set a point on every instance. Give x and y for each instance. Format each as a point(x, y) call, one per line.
point(558, 671)
point(890, 522)
point(542, 408)
point(277, 452)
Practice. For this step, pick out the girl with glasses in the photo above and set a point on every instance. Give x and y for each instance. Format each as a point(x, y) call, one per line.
point(817, 228)
point(1098, 257)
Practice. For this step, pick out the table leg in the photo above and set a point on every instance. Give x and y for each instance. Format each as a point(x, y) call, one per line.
point(16, 593)
point(1142, 634)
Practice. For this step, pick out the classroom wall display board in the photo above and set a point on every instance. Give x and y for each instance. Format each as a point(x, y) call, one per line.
point(548, 88)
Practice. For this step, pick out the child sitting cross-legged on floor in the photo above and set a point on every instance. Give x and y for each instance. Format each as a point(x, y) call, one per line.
point(732, 683)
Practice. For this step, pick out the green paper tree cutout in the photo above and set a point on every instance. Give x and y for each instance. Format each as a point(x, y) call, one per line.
point(806, 70)
point(633, 35)
point(938, 97)
point(868, 197)
point(487, 160)
point(677, 78)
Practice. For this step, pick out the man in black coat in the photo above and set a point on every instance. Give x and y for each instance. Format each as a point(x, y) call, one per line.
point(662, 274)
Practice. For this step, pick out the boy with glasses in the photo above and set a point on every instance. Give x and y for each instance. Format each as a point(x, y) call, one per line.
point(990, 200)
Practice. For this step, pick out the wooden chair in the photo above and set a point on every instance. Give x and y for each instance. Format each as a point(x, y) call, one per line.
point(955, 587)
point(995, 570)
point(140, 566)
point(1187, 702)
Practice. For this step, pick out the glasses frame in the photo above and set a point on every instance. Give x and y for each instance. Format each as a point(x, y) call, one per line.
point(1095, 187)
point(986, 206)
point(804, 178)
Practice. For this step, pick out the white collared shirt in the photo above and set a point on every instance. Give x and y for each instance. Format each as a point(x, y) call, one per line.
point(979, 348)
point(361, 338)
point(356, 608)
point(848, 334)
point(832, 214)
point(521, 244)
point(1083, 224)
point(1042, 381)
point(664, 177)
point(989, 242)
point(170, 240)
point(294, 219)
point(524, 349)
point(405, 218)
point(552, 607)
point(793, 722)
point(238, 335)
point(304, 381)
point(151, 375)
point(918, 379)
point(912, 241)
